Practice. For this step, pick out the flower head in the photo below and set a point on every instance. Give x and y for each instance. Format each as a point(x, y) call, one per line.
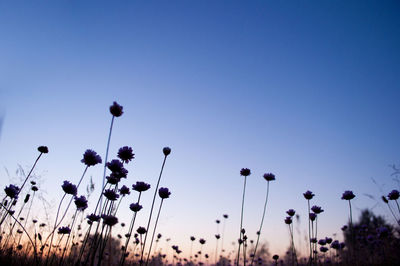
point(69, 188)
point(202, 241)
point(245, 172)
point(291, 212)
point(269, 177)
point(81, 203)
point(124, 190)
point(64, 230)
point(12, 191)
point(192, 238)
point(109, 220)
point(316, 209)
point(348, 195)
point(115, 166)
point(394, 195)
point(328, 240)
point(323, 249)
point(166, 151)
point(135, 207)
point(140, 186)
point(43, 149)
point(141, 230)
point(110, 194)
point(308, 195)
point(91, 158)
point(93, 217)
point(164, 192)
point(312, 216)
point(126, 154)
point(217, 236)
point(116, 109)
point(322, 242)
point(288, 220)
point(275, 257)
point(225, 216)
point(34, 188)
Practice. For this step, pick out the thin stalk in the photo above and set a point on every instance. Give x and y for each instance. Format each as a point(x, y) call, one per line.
point(106, 158)
point(241, 219)
point(152, 206)
point(262, 221)
point(309, 230)
point(69, 235)
point(154, 231)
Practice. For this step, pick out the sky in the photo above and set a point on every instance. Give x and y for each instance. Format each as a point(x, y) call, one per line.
point(307, 90)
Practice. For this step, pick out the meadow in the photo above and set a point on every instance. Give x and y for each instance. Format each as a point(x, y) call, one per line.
point(77, 236)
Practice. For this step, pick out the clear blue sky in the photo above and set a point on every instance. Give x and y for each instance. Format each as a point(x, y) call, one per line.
point(308, 90)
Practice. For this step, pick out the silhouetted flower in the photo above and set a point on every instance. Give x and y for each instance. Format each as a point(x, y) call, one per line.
point(225, 216)
point(166, 151)
point(113, 179)
point(110, 194)
point(192, 238)
point(316, 209)
point(69, 188)
point(335, 245)
point(312, 216)
point(348, 195)
point(288, 220)
point(217, 236)
point(135, 207)
point(34, 188)
point(93, 217)
point(393, 195)
point(159, 236)
point(140, 186)
point(328, 240)
point(81, 203)
point(269, 177)
point(115, 166)
point(91, 158)
point(323, 249)
point(116, 109)
point(308, 195)
point(217, 221)
point(291, 212)
point(12, 191)
point(109, 220)
point(202, 241)
point(164, 193)
point(43, 149)
point(245, 172)
point(322, 242)
point(344, 228)
point(65, 230)
point(141, 230)
point(126, 154)
point(124, 190)
point(275, 257)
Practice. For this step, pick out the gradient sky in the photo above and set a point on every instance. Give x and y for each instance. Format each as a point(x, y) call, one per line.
point(307, 90)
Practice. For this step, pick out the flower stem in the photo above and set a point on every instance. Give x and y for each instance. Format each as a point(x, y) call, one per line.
point(154, 231)
point(105, 162)
point(241, 220)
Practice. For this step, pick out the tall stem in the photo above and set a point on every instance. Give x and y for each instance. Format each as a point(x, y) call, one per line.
point(154, 231)
point(241, 220)
point(106, 158)
point(309, 230)
point(262, 221)
point(152, 206)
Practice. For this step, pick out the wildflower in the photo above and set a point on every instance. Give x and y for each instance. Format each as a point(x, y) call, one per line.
point(291, 212)
point(34, 188)
point(27, 198)
point(126, 154)
point(43, 149)
point(335, 245)
point(81, 203)
point(159, 236)
point(394, 195)
point(217, 236)
point(202, 241)
point(69, 188)
point(348, 195)
point(113, 179)
point(225, 216)
point(164, 193)
point(12, 191)
point(217, 221)
point(110, 194)
point(141, 230)
point(245, 172)
point(308, 195)
point(93, 217)
point(344, 228)
point(91, 158)
point(140, 186)
point(135, 207)
point(322, 242)
point(116, 109)
point(65, 230)
point(316, 209)
point(275, 257)
point(124, 190)
point(323, 249)
point(109, 220)
point(192, 238)
point(312, 216)
point(115, 166)
point(328, 240)
point(342, 245)
point(269, 177)
point(288, 220)
point(34, 221)
point(166, 151)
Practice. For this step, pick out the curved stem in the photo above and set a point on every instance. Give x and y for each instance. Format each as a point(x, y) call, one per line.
point(241, 220)
point(262, 221)
point(106, 158)
point(152, 206)
point(154, 231)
